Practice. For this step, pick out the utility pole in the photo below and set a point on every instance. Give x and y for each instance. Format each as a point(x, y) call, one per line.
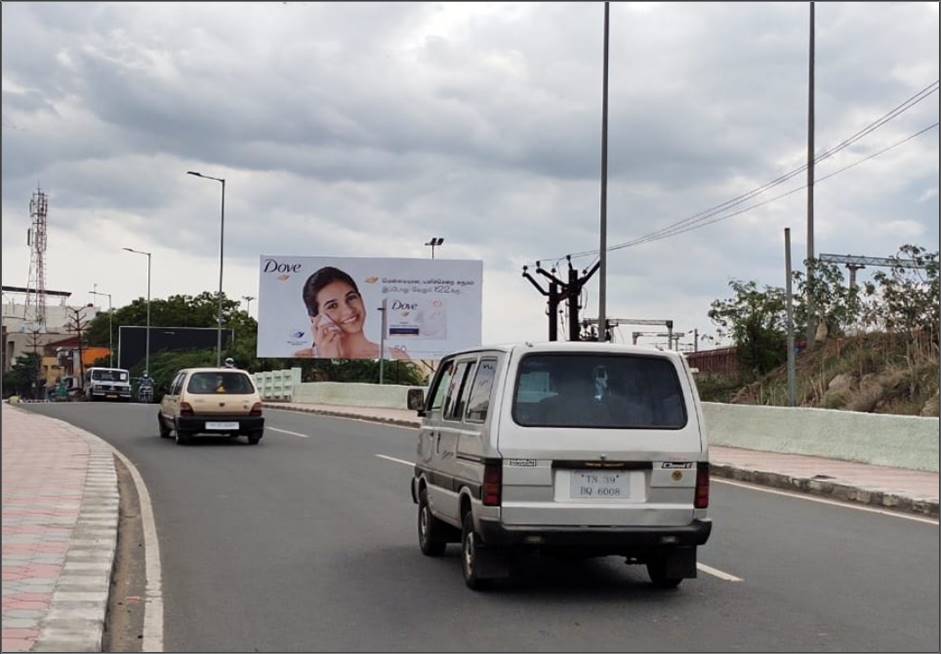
point(811, 309)
point(603, 249)
point(696, 339)
point(791, 366)
point(559, 290)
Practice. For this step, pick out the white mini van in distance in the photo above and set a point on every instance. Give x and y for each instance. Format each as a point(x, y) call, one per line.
point(576, 449)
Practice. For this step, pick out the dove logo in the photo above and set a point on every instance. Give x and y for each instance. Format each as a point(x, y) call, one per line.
point(273, 265)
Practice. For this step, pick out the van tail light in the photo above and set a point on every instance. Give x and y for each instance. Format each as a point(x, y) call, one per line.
point(702, 486)
point(493, 484)
point(256, 409)
point(186, 409)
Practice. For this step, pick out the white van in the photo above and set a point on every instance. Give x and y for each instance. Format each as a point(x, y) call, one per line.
point(107, 384)
point(580, 449)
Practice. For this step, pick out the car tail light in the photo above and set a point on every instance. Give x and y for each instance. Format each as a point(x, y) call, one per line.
point(702, 486)
point(186, 409)
point(493, 484)
point(256, 409)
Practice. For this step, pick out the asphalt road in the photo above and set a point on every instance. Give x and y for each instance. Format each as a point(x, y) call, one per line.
point(307, 543)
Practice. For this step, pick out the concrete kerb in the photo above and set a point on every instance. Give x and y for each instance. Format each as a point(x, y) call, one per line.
point(76, 617)
point(835, 491)
point(831, 490)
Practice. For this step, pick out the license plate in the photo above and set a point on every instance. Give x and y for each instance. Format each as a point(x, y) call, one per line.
point(600, 485)
point(222, 425)
point(112, 396)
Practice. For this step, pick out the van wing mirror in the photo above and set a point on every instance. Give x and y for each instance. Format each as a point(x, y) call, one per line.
point(416, 399)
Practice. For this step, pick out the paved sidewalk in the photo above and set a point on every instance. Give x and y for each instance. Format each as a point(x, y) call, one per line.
point(59, 526)
point(895, 488)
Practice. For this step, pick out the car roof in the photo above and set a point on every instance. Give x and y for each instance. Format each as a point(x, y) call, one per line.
point(572, 346)
point(213, 370)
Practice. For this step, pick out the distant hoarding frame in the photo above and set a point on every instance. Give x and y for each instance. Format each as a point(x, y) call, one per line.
point(211, 333)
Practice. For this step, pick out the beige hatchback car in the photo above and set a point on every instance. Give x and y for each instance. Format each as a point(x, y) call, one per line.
point(211, 401)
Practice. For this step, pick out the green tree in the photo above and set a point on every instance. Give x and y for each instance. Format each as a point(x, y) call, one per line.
point(906, 299)
point(755, 320)
point(23, 376)
point(175, 311)
point(835, 304)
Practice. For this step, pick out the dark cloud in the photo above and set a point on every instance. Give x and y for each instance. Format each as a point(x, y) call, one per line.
point(364, 129)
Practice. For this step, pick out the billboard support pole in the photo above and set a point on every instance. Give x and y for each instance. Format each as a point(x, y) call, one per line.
point(382, 339)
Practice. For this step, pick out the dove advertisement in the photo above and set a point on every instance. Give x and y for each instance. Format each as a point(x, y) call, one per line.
point(335, 307)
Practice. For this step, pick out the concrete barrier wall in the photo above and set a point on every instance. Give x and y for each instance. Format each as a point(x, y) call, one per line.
point(897, 441)
point(384, 396)
point(277, 384)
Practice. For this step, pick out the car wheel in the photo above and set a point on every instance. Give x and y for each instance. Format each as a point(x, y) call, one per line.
point(470, 551)
point(164, 430)
point(658, 577)
point(431, 538)
point(255, 438)
point(182, 438)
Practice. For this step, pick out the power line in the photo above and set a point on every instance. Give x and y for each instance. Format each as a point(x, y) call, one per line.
point(650, 238)
point(706, 214)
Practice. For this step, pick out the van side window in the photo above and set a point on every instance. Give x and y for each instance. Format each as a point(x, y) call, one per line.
point(443, 381)
point(459, 406)
point(454, 390)
point(479, 402)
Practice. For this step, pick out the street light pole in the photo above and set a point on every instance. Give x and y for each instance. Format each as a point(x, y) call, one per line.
point(110, 326)
point(248, 303)
point(221, 250)
point(147, 331)
point(603, 249)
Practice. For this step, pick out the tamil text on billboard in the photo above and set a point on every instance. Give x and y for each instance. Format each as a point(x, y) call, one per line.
point(332, 307)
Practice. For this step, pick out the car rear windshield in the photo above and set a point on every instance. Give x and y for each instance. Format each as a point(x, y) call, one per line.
point(220, 383)
point(109, 375)
point(614, 391)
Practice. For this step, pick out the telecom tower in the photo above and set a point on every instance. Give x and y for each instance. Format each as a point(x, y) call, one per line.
point(35, 312)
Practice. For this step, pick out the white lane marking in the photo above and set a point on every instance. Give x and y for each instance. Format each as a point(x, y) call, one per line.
point(702, 567)
point(821, 500)
point(393, 459)
point(285, 431)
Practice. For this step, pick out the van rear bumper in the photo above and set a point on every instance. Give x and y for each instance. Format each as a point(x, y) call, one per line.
point(613, 539)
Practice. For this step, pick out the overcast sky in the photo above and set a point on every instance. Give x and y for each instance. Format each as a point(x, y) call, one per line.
point(364, 130)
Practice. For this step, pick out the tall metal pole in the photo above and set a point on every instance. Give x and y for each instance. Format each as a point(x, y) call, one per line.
point(110, 333)
point(221, 245)
point(811, 309)
point(603, 249)
point(382, 340)
point(791, 368)
point(147, 338)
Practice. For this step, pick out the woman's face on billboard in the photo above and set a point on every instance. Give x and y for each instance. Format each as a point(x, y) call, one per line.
point(343, 305)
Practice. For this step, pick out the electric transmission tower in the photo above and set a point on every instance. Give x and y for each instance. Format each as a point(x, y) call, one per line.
point(35, 311)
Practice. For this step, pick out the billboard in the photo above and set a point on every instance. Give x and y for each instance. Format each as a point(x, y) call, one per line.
point(335, 307)
point(132, 341)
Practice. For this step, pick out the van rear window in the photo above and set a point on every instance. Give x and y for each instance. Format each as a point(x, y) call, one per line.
point(613, 391)
point(220, 383)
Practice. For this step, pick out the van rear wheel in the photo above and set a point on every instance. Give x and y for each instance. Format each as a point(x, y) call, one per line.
point(658, 577)
point(431, 531)
point(470, 555)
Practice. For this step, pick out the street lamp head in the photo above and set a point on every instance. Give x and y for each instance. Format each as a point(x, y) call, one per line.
point(193, 172)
